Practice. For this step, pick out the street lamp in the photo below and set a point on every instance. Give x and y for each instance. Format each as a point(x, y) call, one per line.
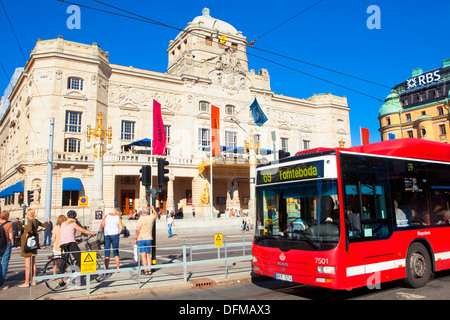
point(98, 135)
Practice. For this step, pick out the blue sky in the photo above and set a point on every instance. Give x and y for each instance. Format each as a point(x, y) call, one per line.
point(332, 34)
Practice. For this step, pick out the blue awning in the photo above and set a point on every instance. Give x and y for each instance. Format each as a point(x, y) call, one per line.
point(72, 184)
point(18, 187)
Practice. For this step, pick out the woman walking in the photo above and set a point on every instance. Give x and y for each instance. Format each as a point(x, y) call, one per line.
point(30, 229)
point(112, 226)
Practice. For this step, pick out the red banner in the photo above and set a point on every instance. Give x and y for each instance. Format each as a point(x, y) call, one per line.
point(159, 134)
point(215, 130)
point(364, 136)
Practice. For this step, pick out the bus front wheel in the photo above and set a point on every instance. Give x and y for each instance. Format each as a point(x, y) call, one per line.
point(418, 266)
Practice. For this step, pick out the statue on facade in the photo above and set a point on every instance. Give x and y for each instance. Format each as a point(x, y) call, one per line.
point(205, 196)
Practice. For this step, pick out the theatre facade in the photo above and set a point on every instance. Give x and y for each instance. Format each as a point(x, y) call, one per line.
point(207, 65)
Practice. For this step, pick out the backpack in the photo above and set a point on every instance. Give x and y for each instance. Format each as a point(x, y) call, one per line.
point(3, 239)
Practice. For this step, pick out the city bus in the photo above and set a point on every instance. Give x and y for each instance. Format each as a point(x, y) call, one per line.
point(344, 218)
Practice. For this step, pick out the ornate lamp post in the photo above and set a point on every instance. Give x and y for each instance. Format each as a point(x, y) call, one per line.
point(98, 135)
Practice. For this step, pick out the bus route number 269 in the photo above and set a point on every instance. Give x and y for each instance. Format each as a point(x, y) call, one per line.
point(321, 260)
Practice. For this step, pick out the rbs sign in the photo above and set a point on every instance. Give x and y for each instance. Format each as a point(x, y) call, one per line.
point(423, 79)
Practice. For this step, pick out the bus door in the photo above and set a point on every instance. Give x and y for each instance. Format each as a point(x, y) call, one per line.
point(368, 216)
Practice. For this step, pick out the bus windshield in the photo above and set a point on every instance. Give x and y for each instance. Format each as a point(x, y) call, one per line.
point(301, 215)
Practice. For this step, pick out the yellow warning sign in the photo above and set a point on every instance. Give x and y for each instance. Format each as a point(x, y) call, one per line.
point(218, 240)
point(88, 262)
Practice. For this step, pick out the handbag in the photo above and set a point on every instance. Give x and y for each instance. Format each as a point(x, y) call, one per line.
point(31, 244)
point(101, 236)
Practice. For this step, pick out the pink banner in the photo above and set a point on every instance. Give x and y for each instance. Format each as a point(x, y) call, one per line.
point(159, 134)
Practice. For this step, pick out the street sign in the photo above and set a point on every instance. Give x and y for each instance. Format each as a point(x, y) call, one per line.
point(83, 202)
point(88, 262)
point(218, 240)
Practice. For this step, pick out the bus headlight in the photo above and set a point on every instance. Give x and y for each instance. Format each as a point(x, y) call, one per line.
point(326, 269)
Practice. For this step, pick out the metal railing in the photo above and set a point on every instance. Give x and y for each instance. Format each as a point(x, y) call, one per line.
point(222, 257)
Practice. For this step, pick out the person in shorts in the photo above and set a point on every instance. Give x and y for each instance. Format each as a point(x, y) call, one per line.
point(143, 236)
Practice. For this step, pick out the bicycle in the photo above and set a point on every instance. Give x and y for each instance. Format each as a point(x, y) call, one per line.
point(66, 264)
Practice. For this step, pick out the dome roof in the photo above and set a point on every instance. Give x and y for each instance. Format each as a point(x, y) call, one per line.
point(392, 105)
point(206, 21)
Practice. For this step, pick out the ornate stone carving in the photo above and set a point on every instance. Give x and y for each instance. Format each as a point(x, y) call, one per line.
point(141, 98)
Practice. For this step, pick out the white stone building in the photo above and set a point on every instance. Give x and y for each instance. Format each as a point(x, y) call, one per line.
point(71, 82)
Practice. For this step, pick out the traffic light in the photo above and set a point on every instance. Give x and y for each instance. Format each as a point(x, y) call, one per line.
point(146, 176)
point(20, 198)
point(162, 178)
point(30, 194)
point(283, 154)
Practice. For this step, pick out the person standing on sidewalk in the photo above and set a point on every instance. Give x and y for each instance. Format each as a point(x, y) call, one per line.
point(5, 252)
point(170, 223)
point(112, 226)
point(32, 229)
point(143, 236)
point(48, 233)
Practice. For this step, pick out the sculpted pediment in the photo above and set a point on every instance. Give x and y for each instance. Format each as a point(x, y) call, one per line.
point(143, 98)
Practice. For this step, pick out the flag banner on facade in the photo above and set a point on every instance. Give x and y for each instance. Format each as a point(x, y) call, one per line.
point(258, 115)
point(391, 136)
point(364, 136)
point(159, 134)
point(215, 131)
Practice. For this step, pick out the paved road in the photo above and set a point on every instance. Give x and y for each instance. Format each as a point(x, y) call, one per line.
point(266, 289)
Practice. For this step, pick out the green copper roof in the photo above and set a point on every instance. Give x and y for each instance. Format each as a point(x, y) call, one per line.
point(392, 105)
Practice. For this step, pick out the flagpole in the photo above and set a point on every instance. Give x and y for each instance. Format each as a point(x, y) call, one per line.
point(211, 165)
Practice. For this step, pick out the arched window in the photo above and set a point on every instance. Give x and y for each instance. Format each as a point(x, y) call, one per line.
point(75, 83)
point(72, 145)
point(203, 106)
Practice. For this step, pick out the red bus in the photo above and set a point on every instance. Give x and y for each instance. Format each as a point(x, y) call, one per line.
point(344, 218)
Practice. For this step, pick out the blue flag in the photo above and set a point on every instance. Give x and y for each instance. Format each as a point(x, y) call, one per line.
point(258, 115)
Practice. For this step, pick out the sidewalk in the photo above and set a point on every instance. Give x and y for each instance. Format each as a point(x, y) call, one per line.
point(127, 282)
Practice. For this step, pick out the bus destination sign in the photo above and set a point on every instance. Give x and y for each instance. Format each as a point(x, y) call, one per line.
point(299, 171)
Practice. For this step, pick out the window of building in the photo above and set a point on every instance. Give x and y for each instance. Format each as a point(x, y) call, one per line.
point(442, 130)
point(208, 41)
point(423, 131)
point(127, 130)
point(70, 198)
point(167, 130)
point(440, 111)
point(388, 121)
point(407, 101)
point(408, 117)
point(230, 139)
point(422, 96)
point(203, 138)
point(203, 106)
point(75, 83)
point(306, 144)
point(410, 134)
point(229, 109)
point(284, 144)
point(72, 145)
point(424, 113)
point(439, 92)
point(73, 121)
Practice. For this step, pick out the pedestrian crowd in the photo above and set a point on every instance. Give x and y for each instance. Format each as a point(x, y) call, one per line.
point(24, 237)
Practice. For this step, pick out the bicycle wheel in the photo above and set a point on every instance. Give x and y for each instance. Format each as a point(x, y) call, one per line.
point(56, 266)
point(100, 266)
